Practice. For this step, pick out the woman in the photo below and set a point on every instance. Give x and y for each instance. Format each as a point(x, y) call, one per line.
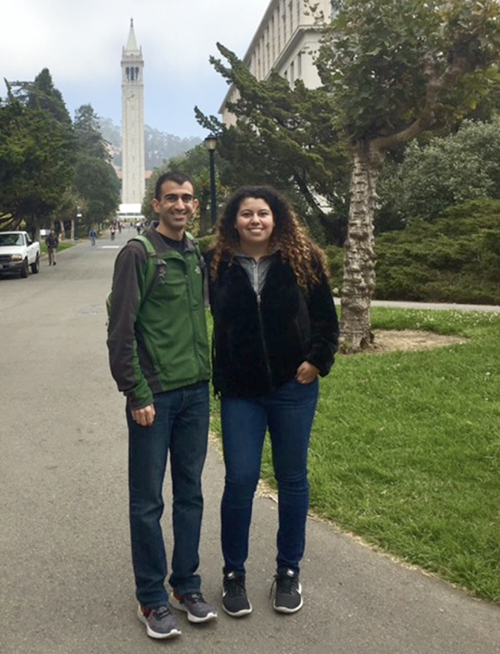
point(275, 331)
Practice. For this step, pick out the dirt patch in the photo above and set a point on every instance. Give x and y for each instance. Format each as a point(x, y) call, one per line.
point(410, 340)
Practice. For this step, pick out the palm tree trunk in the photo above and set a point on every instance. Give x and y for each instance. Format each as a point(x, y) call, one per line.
point(359, 256)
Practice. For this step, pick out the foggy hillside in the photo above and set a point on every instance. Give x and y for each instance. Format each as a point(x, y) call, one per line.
point(159, 146)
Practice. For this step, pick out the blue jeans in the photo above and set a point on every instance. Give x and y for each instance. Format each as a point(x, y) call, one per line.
point(181, 427)
point(288, 413)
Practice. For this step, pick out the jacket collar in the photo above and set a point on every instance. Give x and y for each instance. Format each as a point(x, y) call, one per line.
point(160, 244)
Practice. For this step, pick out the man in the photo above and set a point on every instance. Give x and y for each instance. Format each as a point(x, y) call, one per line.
point(159, 357)
point(93, 236)
point(52, 242)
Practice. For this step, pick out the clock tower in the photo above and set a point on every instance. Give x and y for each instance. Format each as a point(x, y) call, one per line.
point(133, 167)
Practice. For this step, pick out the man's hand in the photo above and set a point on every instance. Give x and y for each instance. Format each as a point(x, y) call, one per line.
point(306, 373)
point(144, 417)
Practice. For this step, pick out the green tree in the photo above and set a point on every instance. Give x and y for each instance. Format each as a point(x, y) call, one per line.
point(96, 184)
point(98, 187)
point(88, 134)
point(36, 157)
point(396, 68)
point(42, 94)
point(286, 137)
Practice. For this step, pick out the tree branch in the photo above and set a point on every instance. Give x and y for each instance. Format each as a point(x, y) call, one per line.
point(436, 85)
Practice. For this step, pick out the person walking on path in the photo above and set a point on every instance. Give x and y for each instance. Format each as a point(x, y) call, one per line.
point(51, 241)
point(159, 357)
point(93, 236)
point(275, 331)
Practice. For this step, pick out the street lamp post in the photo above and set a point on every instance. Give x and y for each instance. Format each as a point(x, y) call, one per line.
point(211, 144)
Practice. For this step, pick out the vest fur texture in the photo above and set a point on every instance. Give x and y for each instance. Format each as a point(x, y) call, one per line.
point(259, 343)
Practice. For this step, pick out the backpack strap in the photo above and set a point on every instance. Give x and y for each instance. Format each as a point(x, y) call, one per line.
point(156, 267)
point(203, 267)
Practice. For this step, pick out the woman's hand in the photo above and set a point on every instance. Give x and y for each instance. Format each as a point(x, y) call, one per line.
point(145, 416)
point(306, 373)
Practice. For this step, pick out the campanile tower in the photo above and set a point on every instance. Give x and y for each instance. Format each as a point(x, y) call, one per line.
point(132, 121)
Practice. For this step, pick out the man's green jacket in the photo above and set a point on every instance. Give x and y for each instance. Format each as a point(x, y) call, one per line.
point(160, 344)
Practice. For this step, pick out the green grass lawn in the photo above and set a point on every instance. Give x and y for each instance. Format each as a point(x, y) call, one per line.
point(405, 449)
point(63, 245)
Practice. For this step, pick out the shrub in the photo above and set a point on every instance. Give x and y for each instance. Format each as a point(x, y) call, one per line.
point(454, 259)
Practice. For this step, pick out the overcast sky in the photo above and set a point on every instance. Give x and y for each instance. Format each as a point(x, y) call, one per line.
point(81, 44)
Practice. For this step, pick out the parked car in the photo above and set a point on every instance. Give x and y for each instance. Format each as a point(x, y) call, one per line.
point(18, 253)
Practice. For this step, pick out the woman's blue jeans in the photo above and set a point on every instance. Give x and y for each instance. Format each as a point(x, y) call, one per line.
point(181, 428)
point(288, 413)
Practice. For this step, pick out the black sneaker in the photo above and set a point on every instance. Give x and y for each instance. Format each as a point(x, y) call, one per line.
point(197, 609)
point(234, 596)
point(288, 597)
point(160, 622)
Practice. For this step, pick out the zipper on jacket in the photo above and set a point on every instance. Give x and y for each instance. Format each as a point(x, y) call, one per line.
point(264, 344)
point(256, 279)
point(190, 294)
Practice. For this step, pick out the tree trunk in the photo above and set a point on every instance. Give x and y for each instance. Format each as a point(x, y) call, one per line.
point(359, 256)
point(72, 234)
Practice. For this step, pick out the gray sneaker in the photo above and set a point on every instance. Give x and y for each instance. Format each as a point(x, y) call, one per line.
point(197, 609)
point(160, 622)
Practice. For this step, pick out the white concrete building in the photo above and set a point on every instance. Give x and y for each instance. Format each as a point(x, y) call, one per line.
point(285, 41)
point(133, 165)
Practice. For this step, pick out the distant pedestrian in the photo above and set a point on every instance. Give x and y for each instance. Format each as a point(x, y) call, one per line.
point(52, 242)
point(113, 231)
point(93, 236)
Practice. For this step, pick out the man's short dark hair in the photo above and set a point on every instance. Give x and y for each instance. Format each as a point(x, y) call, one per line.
point(178, 178)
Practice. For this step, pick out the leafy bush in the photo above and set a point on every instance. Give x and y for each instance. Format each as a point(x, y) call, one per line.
point(444, 172)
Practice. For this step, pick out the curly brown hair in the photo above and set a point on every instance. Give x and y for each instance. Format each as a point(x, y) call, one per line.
point(305, 257)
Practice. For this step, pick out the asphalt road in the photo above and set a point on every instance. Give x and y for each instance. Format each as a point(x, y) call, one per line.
point(66, 582)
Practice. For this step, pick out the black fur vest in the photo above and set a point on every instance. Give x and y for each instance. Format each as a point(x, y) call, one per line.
point(259, 342)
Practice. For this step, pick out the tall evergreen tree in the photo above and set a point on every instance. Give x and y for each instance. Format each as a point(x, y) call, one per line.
point(42, 94)
point(286, 137)
point(36, 160)
point(96, 183)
